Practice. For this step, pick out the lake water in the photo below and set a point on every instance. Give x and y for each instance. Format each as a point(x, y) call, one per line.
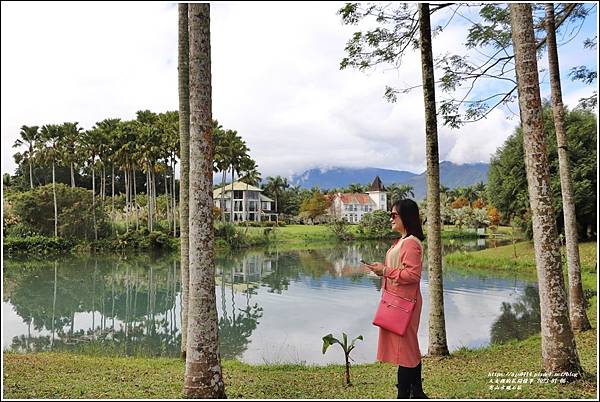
point(274, 306)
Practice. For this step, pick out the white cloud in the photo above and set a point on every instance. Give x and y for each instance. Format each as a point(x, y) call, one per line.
point(276, 80)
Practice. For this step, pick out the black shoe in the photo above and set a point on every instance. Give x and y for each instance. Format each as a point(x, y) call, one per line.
point(416, 386)
point(404, 382)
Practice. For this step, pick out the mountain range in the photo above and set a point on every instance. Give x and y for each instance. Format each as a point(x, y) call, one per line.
point(452, 175)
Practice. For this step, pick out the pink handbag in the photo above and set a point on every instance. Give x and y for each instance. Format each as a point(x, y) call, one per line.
point(394, 312)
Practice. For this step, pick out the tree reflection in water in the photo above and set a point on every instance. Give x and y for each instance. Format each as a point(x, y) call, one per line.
point(519, 320)
point(129, 304)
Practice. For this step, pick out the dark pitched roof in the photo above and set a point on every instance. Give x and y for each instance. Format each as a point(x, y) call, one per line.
point(377, 185)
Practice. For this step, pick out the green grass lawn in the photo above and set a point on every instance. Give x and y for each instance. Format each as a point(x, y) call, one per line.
point(464, 374)
point(501, 260)
point(298, 234)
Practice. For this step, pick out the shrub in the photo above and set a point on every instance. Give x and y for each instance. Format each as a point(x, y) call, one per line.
point(339, 227)
point(375, 224)
point(36, 245)
point(35, 209)
point(143, 240)
point(228, 232)
point(20, 230)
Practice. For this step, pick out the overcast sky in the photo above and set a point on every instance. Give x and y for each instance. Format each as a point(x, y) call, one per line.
point(276, 80)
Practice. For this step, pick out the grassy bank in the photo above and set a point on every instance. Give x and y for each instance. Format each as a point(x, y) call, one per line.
point(464, 374)
point(301, 234)
point(289, 236)
point(502, 260)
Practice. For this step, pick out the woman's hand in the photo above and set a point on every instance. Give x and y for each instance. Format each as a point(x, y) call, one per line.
point(377, 268)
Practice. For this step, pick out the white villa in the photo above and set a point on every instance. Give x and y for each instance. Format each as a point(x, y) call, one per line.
point(352, 206)
point(249, 204)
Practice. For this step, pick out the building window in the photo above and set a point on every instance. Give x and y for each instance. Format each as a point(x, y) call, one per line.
point(237, 194)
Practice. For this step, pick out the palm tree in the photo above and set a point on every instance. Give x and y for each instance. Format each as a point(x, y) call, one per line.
point(454, 193)
point(399, 192)
point(184, 139)
point(220, 163)
point(578, 316)
point(168, 124)
point(444, 195)
point(49, 146)
point(470, 194)
point(438, 344)
point(92, 140)
point(70, 155)
point(111, 133)
point(481, 191)
point(29, 135)
point(356, 188)
point(107, 128)
point(203, 374)
point(559, 352)
point(275, 185)
point(235, 152)
point(251, 177)
point(125, 138)
point(148, 152)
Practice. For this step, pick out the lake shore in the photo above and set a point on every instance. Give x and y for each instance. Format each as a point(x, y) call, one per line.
point(288, 236)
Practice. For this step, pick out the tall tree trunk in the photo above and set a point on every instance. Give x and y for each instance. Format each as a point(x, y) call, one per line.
point(174, 208)
point(112, 210)
point(72, 176)
point(127, 196)
point(126, 176)
point(94, 201)
point(153, 174)
point(149, 217)
point(232, 196)
point(559, 352)
point(151, 202)
point(31, 174)
point(246, 204)
point(577, 313)
point(103, 183)
point(438, 345)
point(203, 375)
point(223, 197)
point(55, 203)
point(137, 210)
point(184, 144)
point(168, 197)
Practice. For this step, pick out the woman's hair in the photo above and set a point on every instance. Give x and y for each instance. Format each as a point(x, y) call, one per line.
point(409, 213)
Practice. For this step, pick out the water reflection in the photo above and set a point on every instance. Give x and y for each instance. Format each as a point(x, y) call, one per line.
point(518, 320)
point(108, 305)
point(272, 306)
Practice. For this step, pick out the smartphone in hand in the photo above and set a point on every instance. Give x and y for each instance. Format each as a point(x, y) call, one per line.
point(366, 263)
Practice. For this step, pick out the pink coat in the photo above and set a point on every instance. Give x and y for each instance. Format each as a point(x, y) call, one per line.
point(403, 263)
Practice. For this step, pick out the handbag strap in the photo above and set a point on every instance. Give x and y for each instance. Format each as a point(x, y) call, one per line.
point(418, 284)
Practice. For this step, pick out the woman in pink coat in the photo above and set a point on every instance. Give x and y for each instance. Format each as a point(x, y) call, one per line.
point(401, 272)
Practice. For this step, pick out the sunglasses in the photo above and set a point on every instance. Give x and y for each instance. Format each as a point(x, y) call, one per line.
point(394, 215)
